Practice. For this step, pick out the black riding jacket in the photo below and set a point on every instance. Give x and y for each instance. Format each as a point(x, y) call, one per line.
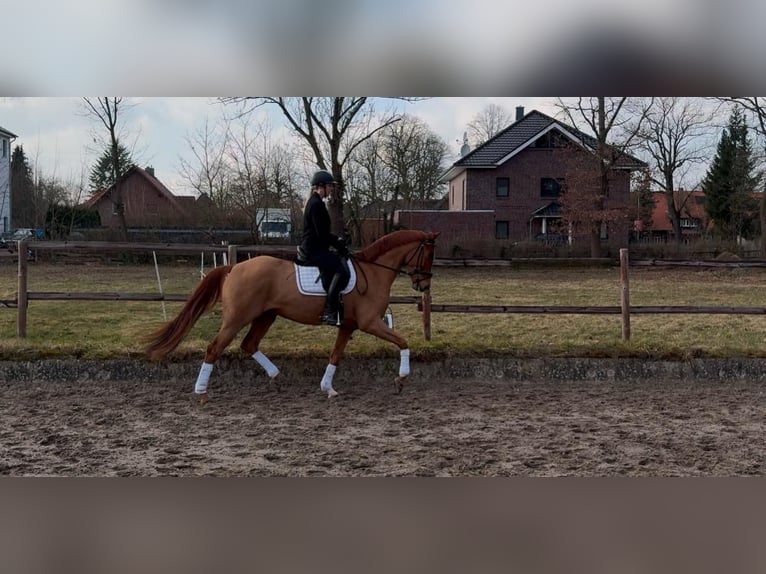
point(316, 237)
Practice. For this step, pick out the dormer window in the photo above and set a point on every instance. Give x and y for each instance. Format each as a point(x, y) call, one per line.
point(551, 139)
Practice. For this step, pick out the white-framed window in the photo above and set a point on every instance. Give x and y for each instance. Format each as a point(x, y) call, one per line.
point(688, 223)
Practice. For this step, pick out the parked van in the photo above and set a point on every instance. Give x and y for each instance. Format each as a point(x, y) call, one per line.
point(22, 233)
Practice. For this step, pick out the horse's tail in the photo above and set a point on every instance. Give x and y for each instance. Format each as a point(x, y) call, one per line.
point(203, 298)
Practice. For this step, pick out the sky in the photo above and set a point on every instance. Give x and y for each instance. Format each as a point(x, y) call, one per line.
point(58, 137)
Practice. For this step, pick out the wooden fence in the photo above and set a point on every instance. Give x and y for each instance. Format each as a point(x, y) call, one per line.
point(23, 295)
point(424, 303)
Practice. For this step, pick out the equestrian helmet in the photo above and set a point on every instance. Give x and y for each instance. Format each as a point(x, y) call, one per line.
point(322, 177)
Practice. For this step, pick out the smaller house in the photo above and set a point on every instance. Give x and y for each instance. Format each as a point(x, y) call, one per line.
point(147, 202)
point(694, 218)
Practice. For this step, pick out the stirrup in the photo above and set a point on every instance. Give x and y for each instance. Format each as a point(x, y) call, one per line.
point(332, 319)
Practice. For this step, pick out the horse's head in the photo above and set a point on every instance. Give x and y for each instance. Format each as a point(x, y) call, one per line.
point(419, 264)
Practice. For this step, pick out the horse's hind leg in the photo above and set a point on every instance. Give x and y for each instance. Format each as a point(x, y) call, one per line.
point(258, 329)
point(225, 336)
point(344, 334)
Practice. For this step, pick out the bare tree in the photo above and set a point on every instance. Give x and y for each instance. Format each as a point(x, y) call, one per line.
point(614, 124)
point(415, 155)
point(107, 111)
point(262, 172)
point(673, 136)
point(395, 168)
point(369, 182)
point(208, 173)
point(491, 119)
point(332, 127)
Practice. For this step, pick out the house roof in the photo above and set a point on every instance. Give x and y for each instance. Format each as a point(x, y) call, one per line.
point(552, 209)
point(692, 205)
point(517, 136)
point(6, 133)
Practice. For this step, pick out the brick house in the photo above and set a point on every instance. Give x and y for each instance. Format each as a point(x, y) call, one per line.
point(507, 189)
point(148, 203)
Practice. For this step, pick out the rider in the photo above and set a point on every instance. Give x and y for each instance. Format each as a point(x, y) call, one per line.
point(316, 242)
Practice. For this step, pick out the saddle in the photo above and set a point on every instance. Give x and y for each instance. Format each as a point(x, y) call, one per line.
point(309, 279)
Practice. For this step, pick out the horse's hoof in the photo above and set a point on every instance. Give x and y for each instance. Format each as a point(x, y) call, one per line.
point(399, 383)
point(203, 399)
point(332, 393)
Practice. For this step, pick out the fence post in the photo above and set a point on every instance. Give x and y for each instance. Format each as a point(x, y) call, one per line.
point(21, 330)
point(625, 295)
point(232, 251)
point(427, 315)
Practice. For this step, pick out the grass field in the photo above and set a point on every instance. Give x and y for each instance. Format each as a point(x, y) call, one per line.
point(101, 330)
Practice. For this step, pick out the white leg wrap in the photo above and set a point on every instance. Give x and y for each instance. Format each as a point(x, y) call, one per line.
point(270, 368)
point(404, 363)
point(203, 378)
point(329, 373)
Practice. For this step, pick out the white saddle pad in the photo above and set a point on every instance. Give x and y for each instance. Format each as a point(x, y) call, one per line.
point(309, 282)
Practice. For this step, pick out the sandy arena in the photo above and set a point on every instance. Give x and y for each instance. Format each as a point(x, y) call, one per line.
point(434, 428)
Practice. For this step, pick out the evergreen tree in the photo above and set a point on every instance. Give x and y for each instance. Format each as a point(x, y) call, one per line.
point(730, 182)
point(102, 174)
point(22, 190)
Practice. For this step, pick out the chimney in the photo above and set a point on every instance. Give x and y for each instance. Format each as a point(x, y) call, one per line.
point(519, 112)
point(150, 170)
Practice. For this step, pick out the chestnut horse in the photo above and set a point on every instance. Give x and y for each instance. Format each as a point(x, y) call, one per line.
point(257, 291)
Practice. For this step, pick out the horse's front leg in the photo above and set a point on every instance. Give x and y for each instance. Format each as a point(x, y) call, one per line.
point(344, 334)
point(378, 328)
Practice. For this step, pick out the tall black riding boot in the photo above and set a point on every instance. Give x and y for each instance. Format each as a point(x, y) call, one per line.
point(332, 314)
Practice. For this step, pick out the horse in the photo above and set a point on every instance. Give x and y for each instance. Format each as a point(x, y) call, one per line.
point(257, 291)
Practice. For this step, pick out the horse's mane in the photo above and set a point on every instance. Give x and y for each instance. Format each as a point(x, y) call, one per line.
point(389, 242)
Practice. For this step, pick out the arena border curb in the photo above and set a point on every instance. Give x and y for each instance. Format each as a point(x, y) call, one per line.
point(494, 368)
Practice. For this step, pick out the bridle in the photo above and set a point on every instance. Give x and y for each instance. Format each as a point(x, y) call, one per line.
point(420, 253)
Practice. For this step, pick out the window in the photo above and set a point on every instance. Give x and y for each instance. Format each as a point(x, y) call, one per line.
point(689, 223)
point(501, 230)
point(502, 187)
point(551, 139)
point(5, 148)
point(550, 187)
point(604, 231)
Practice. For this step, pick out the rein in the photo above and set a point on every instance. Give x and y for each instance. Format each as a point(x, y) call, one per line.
point(419, 252)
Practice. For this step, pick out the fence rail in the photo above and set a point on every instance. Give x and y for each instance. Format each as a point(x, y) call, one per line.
point(23, 295)
point(606, 310)
point(424, 304)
